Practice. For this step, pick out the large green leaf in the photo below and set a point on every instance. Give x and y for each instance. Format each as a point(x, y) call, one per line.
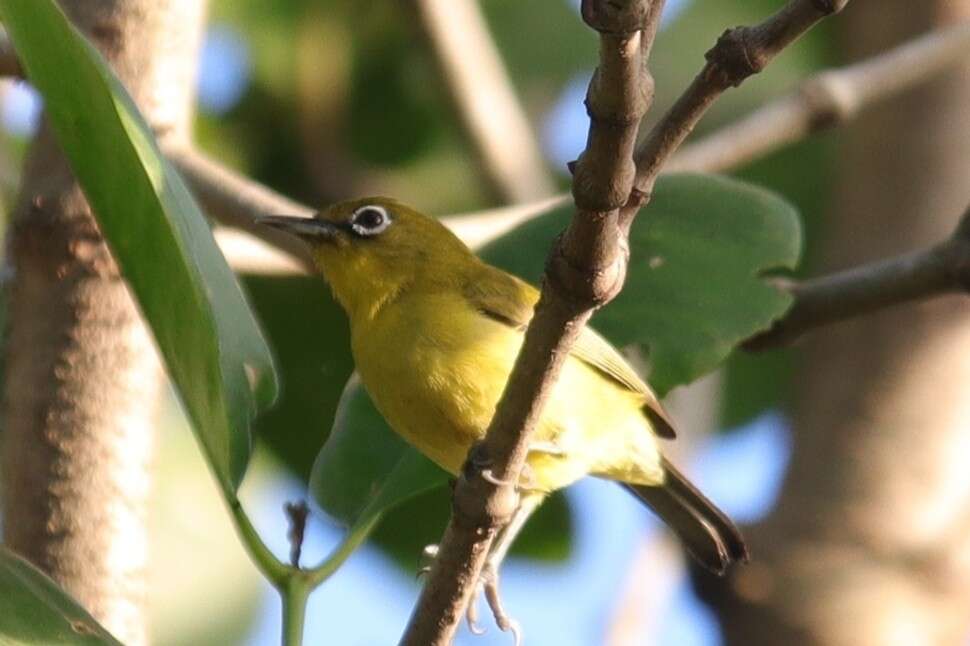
point(313, 359)
point(365, 469)
point(694, 286)
point(365, 466)
point(209, 340)
point(36, 611)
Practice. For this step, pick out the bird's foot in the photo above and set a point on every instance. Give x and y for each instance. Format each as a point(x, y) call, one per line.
point(489, 585)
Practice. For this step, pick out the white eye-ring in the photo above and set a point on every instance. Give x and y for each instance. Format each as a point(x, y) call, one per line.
point(370, 220)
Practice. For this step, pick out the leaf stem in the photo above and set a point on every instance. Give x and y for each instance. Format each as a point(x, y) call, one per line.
point(294, 595)
point(277, 572)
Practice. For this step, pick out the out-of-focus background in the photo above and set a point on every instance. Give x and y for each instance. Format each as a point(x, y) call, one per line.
point(325, 100)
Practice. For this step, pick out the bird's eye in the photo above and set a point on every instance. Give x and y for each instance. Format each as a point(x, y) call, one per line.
point(370, 220)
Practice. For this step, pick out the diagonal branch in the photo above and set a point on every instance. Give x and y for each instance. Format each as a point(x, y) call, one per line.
point(826, 100)
point(941, 269)
point(738, 54)
point(480, 89)
point(585, 269)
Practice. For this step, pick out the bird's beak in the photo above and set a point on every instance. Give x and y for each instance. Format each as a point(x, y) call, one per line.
point(308, 229)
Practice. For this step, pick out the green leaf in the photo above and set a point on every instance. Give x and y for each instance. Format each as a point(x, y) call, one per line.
point(694, 286)
point(313, 359)
point(208, 338)
point(36, 611)
point(364, 470)
point(363, 458)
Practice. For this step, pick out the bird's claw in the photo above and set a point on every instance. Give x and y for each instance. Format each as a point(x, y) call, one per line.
point(505, 623)
point(488, 476)
point(471, 615)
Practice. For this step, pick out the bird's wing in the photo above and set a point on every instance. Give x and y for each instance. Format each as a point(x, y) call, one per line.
point(507, 299)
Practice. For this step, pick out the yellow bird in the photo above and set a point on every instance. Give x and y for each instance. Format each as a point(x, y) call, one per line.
point(434, 333)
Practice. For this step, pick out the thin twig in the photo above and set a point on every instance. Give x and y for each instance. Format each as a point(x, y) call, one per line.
point(484, 99)
point(296, 513)
point(585, 270)
point(739, 53)
point(826, 100)
point(941, 269)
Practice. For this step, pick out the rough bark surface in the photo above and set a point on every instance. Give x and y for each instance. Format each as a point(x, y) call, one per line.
point(870, 544)
point(81, 374)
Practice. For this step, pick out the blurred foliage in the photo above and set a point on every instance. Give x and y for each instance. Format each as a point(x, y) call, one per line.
point(309, 334)
point(343, 101)
point(804, 174)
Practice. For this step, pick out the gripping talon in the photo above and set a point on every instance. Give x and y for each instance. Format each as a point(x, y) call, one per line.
point(471, 615)
point(502, 619)
point(488, 476)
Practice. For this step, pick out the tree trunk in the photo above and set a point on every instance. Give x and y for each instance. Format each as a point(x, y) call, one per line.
point(82, 377)
point(870, 543)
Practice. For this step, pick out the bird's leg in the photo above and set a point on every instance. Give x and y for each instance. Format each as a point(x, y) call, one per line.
point(502, 620)
point(490, 573)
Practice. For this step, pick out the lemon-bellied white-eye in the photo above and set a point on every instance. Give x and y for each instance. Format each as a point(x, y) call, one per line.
point(435, 332)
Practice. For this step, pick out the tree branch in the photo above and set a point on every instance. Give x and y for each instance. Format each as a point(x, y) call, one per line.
point(739, 53)
point(585, 270)
point(484, 99)
point(941, 269)
point(236, 201)
point(826, 100)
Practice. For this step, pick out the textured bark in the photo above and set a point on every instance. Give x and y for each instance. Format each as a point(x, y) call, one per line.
point(870, 544)
point(82, 375)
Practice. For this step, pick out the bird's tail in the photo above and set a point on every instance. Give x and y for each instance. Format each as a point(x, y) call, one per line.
point(707, 533)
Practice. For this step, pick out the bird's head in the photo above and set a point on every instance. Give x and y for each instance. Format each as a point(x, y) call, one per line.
point(370, 250)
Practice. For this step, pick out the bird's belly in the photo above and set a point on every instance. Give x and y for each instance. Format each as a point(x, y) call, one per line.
point(440, 386)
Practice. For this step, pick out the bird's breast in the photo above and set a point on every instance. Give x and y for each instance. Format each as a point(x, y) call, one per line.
point(435, 369)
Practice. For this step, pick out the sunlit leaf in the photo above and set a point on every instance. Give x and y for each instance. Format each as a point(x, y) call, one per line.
point(694, 287)
point(209, 340)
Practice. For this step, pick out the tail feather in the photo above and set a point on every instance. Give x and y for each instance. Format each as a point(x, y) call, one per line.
point(707, 533)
